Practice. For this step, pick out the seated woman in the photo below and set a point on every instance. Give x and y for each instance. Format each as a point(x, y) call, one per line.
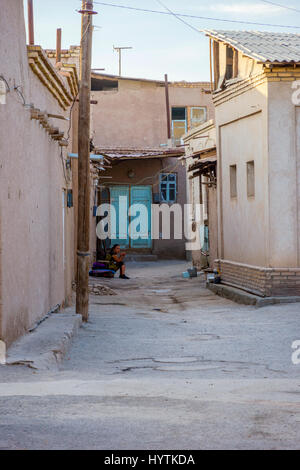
point(116, 261)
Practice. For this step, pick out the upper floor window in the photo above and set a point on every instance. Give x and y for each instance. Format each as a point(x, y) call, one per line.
point(168, 187)
point(179, 124)
point(186, 118)
point(229, 63)
point(198, 116)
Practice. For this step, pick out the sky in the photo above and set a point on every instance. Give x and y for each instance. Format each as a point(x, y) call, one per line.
point(161, 43)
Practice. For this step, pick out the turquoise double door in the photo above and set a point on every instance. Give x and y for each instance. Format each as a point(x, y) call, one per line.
point(132, 209)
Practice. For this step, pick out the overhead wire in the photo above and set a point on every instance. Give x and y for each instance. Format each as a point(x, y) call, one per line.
point(178, 17)
point(182, 15)
point(280, 5)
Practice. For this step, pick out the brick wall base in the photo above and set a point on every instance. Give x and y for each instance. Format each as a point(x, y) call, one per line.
point(266, 282)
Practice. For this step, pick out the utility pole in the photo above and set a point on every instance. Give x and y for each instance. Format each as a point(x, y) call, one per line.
point(83, 236)
point(58, 45)
point(119, 50)
point(168, 111)
point(30, 23)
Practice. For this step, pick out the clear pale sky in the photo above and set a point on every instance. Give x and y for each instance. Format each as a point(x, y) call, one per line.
point(161, 44)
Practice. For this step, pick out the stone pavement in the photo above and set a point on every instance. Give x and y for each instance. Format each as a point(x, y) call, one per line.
point(164, 364)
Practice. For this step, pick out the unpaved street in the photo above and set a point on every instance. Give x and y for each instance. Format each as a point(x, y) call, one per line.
point(164, 364)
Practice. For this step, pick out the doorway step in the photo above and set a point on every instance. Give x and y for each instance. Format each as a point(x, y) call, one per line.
point(142, 257)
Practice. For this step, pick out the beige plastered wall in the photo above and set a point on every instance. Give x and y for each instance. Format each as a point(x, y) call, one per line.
point(34, 275)
point(284, 176)
point(135, 115)
point(242, 135)
point(261, 125)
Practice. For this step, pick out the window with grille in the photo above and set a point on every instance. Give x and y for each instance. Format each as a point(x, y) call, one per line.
point(168, 187)
point(198, 116)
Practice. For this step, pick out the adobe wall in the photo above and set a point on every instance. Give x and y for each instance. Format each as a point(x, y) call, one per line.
point(35, 277)
point(135, 115)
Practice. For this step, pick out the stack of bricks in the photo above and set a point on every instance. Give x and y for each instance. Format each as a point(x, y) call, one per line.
point(74, 51)
point(265, 282)
point(282, 74)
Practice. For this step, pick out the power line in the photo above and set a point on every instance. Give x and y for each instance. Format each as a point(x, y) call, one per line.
point(281, 6)
point(178, 17)
point(181, 15)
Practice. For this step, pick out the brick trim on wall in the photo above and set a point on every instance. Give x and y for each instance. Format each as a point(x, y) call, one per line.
point(266, 282)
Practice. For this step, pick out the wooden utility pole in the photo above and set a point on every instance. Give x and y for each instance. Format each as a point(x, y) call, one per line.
point(58, 45)
point(168, 109)
point(30, 23)
point(83, 237)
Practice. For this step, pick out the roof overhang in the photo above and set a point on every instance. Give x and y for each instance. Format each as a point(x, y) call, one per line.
point(244, 49)
point(51, 78)
point(207, 152)
point(203, 165)
point(180, 84)
point(139, 154)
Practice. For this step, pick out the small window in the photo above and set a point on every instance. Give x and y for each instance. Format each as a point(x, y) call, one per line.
point(100, 84)
point(198, 116)
point(179, 124)
point(178, 114)
point(229, 63)
point(233, 181)
point(250, 179)
point(168, 187)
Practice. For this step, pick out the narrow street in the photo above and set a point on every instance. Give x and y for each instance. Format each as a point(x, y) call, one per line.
point(163, 364)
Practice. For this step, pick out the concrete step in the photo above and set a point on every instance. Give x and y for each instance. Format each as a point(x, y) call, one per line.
point(242, 297)
point(46, 346)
